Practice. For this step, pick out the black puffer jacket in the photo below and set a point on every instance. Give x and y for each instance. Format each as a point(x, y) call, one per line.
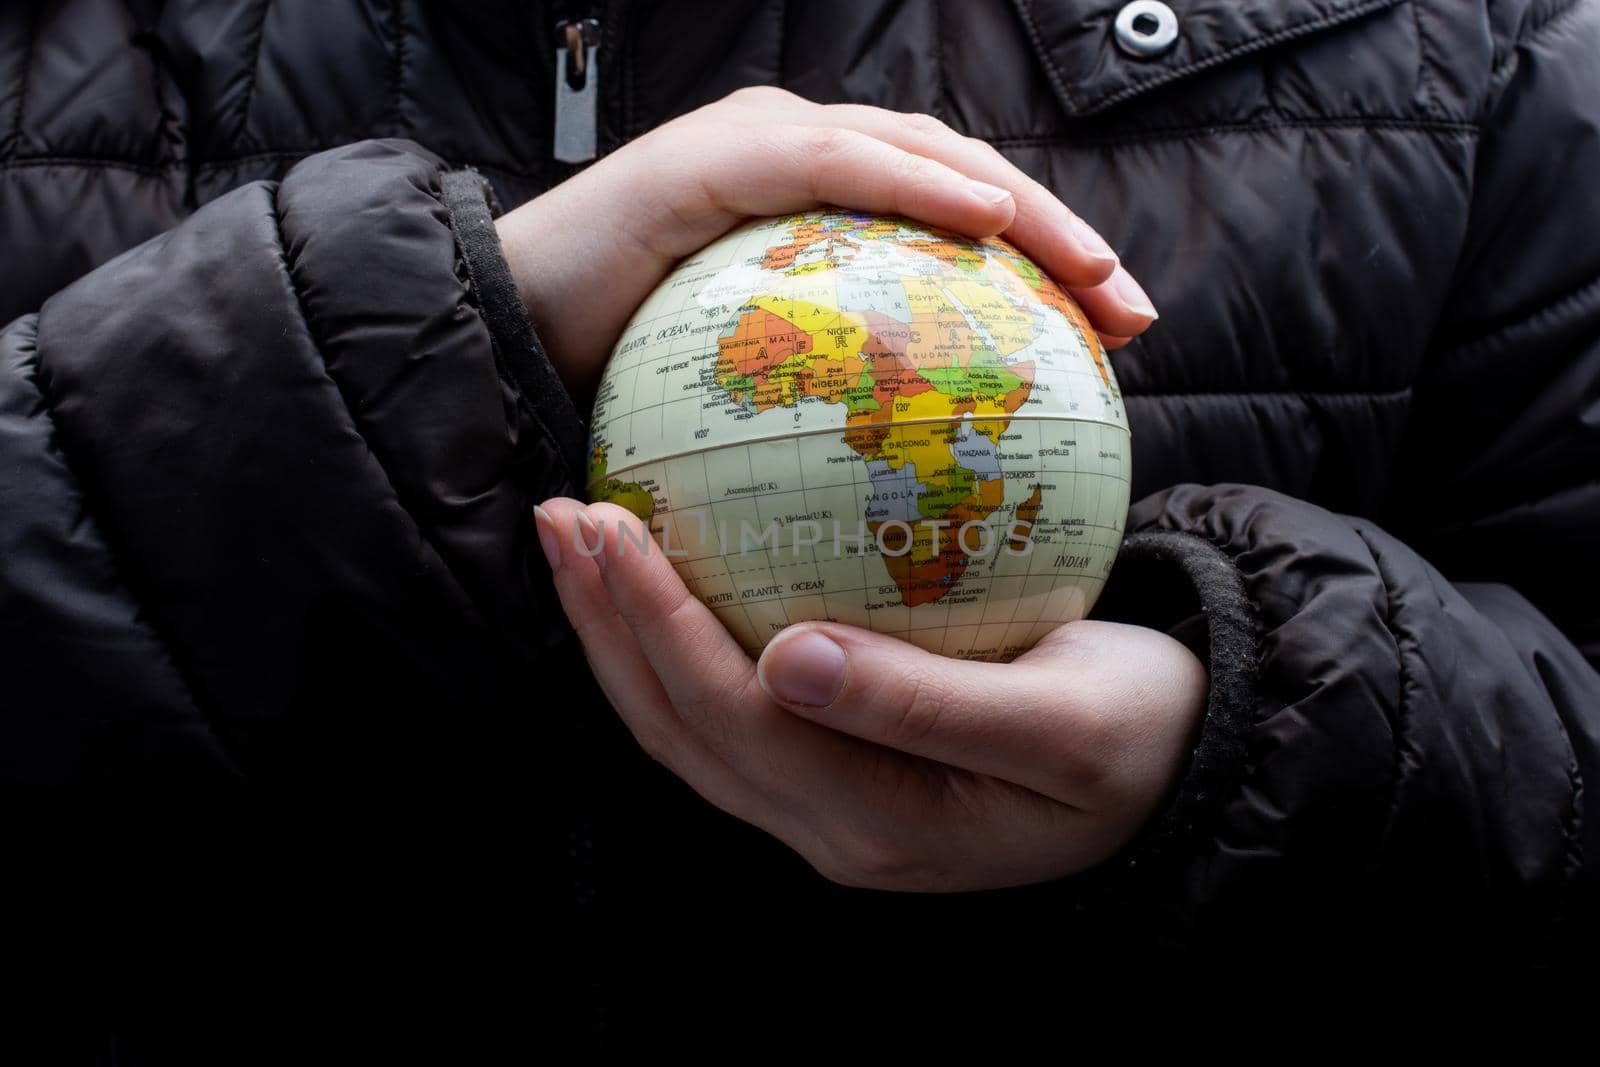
point(271, 421)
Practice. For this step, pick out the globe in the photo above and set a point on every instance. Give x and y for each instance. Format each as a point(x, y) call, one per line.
point(860, 419)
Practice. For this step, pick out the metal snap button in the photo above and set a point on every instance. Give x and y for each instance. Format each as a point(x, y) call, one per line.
point(1146, 28)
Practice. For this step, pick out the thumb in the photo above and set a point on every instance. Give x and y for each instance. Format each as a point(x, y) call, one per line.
point(1026, 722)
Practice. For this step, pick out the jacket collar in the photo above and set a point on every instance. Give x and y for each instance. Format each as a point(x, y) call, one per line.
point(1089, 73)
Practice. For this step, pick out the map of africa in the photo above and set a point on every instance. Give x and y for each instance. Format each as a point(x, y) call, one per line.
point(846, 417)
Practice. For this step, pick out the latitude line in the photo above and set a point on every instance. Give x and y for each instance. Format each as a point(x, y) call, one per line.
point(682, 453)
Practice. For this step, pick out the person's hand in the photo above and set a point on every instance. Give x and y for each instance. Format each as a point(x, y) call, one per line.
point(587, 253)
point(883, 765)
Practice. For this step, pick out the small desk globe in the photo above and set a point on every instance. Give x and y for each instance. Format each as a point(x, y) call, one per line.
point(860, 419)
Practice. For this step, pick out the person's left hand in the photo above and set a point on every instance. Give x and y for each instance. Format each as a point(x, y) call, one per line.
point(883, 765)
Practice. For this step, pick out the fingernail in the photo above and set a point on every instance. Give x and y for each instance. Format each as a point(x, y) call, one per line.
point(992, 195)
point(805, 667)
point(1095, 246)
point(1133, 297)
point(590, 543)
point(549, 539)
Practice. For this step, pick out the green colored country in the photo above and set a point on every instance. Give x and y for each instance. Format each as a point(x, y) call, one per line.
point(631, 495)
point(859, 398)
point(1026, 271)
point(738, 385)
point(984, 375)
point(945, 492)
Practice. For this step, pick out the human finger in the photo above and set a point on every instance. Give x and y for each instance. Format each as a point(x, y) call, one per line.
point(713, 178)
point(621, 668)
point(709, 679)
point(1017, 722)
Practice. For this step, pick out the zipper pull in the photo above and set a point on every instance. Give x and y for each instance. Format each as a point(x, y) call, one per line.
point(577, 89)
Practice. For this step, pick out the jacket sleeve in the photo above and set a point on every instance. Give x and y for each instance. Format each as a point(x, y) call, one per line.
point(265, 482)
point(1404, 728)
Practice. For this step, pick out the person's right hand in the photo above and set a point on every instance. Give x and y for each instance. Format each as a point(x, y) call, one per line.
point(587, 253)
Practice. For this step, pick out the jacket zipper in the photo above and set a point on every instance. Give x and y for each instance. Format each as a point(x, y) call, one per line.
point(577, 89)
